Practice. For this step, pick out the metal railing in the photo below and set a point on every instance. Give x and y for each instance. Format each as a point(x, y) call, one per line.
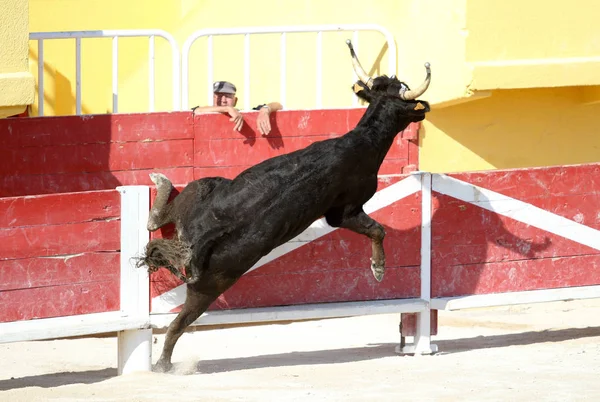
point(115, 35)
point(283, 30)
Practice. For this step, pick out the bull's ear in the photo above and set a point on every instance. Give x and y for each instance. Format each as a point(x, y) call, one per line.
point(362, 91)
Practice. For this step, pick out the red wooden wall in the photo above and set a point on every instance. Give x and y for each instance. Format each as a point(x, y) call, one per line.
point(81, 153)
point(59, 255)
point(477, 251)
point(59, 212)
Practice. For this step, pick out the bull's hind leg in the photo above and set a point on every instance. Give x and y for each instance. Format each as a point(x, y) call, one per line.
point(195, 304)
point(361, 223)
point(159, 214)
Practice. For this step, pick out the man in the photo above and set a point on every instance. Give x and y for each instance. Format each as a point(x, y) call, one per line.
point(224, 101)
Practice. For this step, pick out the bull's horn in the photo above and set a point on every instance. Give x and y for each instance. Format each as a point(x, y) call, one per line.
point(415, 93)
point(360, 72)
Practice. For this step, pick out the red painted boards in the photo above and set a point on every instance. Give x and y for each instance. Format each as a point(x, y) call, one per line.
point(479, 251)
point(59, 255)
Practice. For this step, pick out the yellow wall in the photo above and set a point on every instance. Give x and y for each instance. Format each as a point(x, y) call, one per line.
point(513, 128)
point(183, 17)
point(16, 83)
point(491, 61)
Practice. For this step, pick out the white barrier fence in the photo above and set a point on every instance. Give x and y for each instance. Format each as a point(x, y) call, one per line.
point(134, 322)
point(180, 61)
point(40, 37)
point(282, 30)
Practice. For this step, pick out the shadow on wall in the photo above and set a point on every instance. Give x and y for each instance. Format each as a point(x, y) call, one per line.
point(64, 102)
point(513, 129)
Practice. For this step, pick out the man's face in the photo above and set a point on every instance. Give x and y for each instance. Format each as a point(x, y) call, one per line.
point(224, 99)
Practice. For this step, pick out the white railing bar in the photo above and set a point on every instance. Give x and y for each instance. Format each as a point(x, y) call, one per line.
point(319, 65)
point(247, 71)
point(288, 29)
point(78, 76)
point(276, 30)
point(106, 33)
point(423, 325)
point(354, 76)
point(115, 74)
point(151, 74)
point(41, 98)
point(78, 35)
point(283, 68)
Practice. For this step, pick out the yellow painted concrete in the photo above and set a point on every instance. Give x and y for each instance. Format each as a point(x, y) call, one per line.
point(511, 129)
point(16, 83)
point(497, 66)
point(531, 44)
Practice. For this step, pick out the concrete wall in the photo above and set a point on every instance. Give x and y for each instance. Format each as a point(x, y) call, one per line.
point(16, 83)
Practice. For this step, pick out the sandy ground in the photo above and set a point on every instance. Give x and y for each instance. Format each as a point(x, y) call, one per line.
point(541, 352)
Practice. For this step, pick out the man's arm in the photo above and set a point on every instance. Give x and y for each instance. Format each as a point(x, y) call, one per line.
point(236, 116)
point(263, 121)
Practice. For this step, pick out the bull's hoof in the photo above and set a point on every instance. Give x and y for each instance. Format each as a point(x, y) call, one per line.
point(162, 366)
point(378, 271)
point(160, 180)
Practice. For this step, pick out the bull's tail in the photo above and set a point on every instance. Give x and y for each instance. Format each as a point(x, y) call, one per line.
point(171, 254)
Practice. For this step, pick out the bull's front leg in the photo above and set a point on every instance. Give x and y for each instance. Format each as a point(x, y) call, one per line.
point(363, 224)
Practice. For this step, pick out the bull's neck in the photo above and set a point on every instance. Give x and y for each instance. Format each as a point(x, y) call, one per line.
point(383, 122)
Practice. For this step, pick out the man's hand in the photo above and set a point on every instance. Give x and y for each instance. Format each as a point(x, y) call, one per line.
point(236, 118)
point(263, 122)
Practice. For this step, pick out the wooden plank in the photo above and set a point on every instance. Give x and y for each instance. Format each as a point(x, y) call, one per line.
point(389, 166)
point(463, 233)
point(318, 287)
point(512, 298)
point(52, 240)
point(39, 272)
point(59, 301)
point(97, 157)
point(54, 209)
point(513, 276)
point(11, 186)
point(52, 328)
point(232, 152)
point(569, 191)
point(287, 123)
point(103, 128)
point(301, 312)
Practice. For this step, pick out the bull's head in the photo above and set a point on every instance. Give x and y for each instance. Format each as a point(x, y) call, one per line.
point(369, 87)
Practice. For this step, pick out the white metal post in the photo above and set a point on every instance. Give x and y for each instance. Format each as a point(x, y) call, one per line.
point(423, 327)
point(422, 342)
point(210, 75)
point(319, 80)
point(151, 62)
point(283, 69)
point(78, 76)
point(354, 76)
point(135, 346)
point(115, 74)
point(247, 72)
point(40, 77)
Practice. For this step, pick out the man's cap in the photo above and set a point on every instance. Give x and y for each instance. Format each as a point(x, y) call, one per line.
point(224, 87)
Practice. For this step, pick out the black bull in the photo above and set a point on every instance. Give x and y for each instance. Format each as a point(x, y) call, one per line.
point(225, 226)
